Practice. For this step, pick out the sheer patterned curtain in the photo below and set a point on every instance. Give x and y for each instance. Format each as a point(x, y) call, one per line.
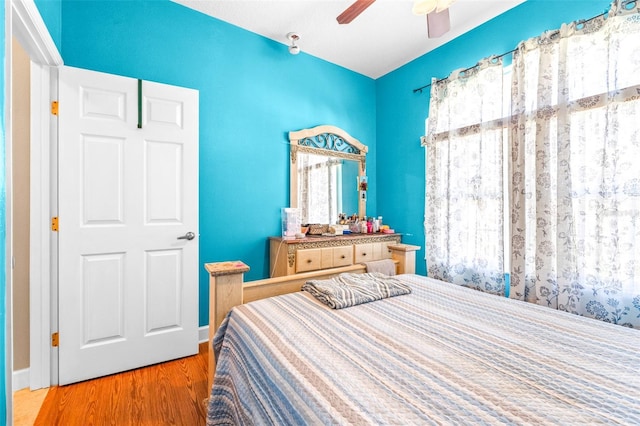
point(319, 188)
point(464, 179)
point(574, 175)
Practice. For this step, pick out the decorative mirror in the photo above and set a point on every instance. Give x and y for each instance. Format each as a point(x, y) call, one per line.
point(327, 174)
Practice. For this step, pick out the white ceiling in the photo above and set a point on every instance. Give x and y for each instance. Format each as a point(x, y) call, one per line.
point(384, 37)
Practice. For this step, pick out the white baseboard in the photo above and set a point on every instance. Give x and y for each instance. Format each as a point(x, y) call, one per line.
point(20, 379)
point(203, 334)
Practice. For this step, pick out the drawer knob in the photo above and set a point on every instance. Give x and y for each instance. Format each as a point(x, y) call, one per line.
point(342, 257)
point(364, 254)
point(308, 260)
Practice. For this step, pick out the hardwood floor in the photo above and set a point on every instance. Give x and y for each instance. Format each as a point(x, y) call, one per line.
point(171, 393)
point(26, 405)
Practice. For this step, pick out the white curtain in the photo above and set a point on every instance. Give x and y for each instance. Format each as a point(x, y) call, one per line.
point(464, 202)
point(574, 175)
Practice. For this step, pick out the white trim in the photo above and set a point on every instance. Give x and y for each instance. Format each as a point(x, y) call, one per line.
point(32, 33)
point(39, 242)
point(203, 334)
point(20, 379)
point(30, 30)
point(8, 243)
point(50, 292)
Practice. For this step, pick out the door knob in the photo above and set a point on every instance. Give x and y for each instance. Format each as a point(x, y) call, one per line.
point(187, 236)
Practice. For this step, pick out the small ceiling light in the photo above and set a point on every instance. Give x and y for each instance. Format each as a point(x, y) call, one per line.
point(424, 7)
point(294, 49)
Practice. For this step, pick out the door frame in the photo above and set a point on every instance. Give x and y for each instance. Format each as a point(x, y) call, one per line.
point(28, 27)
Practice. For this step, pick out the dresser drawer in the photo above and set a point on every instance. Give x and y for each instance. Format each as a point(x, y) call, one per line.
point(376, 250)
point(363, 253)
point(385, 250)
point(308, 260)
point(342, 256)
point(326, 257)
point(373, 251)
point(333, 257)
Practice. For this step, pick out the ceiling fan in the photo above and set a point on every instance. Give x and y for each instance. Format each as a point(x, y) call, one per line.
point(437, 12)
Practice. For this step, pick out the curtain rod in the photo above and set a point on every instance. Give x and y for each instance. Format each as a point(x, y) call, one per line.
point(419, 89)
point(582, 21)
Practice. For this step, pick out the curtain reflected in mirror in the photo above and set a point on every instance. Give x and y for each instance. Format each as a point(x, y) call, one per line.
point(327, 186)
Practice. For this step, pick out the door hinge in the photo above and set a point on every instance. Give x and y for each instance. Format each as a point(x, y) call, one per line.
point(55, 339)
point(54, 107)
point(54, 223)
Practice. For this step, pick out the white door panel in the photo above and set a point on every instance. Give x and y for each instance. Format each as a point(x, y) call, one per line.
point(102, 180)
point(102, 298)
point(163, 284)
point(128, 291)
point(163, 182)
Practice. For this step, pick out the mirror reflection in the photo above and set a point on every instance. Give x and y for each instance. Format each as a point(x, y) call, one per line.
point(326, 165)
point(327, 186)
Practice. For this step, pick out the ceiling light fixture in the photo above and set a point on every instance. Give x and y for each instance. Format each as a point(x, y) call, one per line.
point(424, 7)
point(294, 49)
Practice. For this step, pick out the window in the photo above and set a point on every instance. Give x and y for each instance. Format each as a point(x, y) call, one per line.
point(569, 185)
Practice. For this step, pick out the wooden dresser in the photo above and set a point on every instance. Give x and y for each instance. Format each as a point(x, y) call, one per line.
point(289, 257)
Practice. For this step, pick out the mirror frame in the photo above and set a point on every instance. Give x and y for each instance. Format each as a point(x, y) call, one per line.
point(330, 141)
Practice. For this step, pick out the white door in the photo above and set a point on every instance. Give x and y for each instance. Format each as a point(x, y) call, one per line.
point(128, 285)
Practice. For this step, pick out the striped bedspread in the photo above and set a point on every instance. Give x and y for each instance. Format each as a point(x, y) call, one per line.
point(442, 354)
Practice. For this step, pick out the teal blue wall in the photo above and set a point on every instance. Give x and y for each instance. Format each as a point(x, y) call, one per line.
point(401, 113)
point(3, 272)
point(51, 12)
point(252, 92)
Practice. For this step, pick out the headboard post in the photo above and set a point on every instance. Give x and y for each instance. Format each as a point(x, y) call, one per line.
point(405, 255)
point(225, 292)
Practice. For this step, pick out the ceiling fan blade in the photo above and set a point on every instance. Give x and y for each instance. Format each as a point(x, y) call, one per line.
point(353, 11)
point(438, 23)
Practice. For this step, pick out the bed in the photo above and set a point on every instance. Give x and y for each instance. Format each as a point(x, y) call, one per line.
point(443, 354)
